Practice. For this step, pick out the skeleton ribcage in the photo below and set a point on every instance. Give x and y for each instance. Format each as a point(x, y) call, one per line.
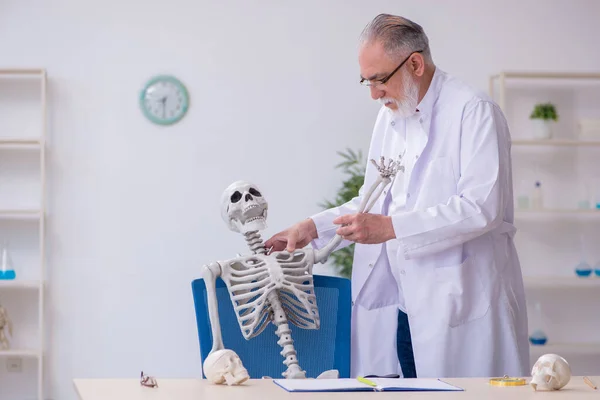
point(250, 279)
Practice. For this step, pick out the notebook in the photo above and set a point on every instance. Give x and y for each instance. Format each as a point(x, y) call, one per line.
point(353, 385)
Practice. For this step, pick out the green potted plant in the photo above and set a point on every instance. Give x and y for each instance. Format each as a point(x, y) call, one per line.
point(354, 167)
point(543, 117)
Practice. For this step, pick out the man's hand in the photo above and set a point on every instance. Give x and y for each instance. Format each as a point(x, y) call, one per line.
point(365, 228)
point(296, 236)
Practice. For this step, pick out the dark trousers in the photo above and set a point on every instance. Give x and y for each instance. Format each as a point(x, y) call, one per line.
point(404, 346)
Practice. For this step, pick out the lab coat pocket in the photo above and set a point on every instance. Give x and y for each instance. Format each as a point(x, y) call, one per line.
point(461, 291)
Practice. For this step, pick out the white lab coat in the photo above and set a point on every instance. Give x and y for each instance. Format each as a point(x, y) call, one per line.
point(460, 275)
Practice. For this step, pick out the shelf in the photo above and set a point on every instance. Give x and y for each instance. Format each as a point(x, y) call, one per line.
point(556, 142)
point(26, 143)
point(558, 211)
point(25, 353)
point(565, 349)
point(561, 282)
point(20, 214)
point(22, 72)
point(524, 78)
point(585, 212)
point(547, 75)
point(19, 284)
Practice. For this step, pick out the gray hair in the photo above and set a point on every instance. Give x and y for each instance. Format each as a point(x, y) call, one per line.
point(399, 36)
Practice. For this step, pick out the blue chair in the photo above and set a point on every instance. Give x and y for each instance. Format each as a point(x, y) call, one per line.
point(318, 350)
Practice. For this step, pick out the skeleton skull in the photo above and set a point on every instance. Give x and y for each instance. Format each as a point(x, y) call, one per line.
point(243, 207)
point(550, 372)
point(225, 366)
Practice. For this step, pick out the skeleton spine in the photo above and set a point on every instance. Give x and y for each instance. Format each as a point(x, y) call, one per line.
point(279, 318)
point(285, 338)
point(255, 242)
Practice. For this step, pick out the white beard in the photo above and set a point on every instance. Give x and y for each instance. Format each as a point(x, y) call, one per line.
point(408, 106)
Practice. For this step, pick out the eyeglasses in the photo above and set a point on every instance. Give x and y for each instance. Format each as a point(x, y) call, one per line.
point(148, 381)
point(366, 82)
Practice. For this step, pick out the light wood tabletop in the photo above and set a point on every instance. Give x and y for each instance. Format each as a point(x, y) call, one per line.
point(266, 389)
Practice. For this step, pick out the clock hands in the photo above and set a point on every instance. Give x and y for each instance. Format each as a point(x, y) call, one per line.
point(163, 100)
point(160, 100)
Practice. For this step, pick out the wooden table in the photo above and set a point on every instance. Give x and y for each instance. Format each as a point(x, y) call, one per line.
point(199, 389)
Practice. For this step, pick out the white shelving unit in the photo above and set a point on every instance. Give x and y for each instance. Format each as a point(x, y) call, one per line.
point(22, 222)
point(545, 277)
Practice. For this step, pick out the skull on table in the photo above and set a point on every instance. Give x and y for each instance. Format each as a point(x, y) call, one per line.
point(225, 366)
point(550, 372)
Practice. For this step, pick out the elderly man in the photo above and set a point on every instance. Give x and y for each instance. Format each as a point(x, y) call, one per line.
point(435, 256)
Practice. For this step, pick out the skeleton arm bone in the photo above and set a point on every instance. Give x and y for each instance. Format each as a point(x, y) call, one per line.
point(323, 254)
point(382, 182)
point(221, 365)
point(210, 274)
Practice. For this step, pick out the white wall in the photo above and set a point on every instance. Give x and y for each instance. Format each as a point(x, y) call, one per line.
point(134, 208)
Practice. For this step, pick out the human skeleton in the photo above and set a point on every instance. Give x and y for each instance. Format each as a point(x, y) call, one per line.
point(5, 324)
point(276, 287)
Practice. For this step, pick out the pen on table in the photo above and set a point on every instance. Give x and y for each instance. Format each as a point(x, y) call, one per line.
point(589, 382)
point(365, 380)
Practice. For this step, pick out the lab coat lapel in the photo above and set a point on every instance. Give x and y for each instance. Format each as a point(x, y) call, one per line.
point(418, 168)
point(424, 122)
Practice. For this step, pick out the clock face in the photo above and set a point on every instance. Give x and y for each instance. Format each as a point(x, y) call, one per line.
point(164, 100)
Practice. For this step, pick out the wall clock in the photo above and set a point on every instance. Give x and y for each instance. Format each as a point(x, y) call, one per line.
point(164, 100)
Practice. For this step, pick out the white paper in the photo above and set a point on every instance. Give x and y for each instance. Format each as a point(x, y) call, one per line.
point(414, 383)
point(321, 385)
point(347, 384)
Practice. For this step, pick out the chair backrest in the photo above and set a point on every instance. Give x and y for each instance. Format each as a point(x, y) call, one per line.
point(318, 350)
